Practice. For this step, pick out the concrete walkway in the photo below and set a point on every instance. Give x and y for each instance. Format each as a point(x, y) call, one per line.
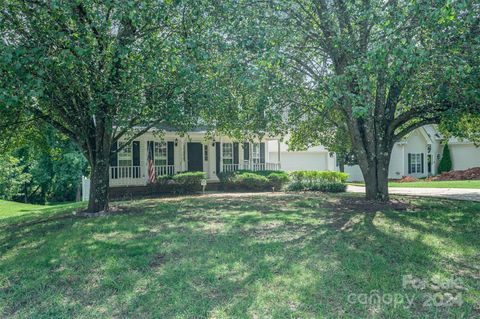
point(450, 193)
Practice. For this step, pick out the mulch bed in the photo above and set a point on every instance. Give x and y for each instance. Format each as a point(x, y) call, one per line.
point(468, 174)
point(368, 206)
point(405, 179)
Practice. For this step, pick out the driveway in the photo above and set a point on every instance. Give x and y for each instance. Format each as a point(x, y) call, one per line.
point(451, 193)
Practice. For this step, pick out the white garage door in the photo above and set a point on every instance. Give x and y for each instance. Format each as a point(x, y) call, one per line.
point(302, 161)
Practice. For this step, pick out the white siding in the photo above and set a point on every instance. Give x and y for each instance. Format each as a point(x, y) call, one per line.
point(464, 156)
point(294, 161)
point(354, 172)
point(397, 162)
point(416, 145)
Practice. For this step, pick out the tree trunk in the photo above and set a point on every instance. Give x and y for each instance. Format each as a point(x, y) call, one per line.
point(375, 174)
point(99, 184)
point(341, 166)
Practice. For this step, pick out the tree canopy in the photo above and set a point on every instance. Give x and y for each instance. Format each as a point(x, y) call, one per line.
point(356, 76)
point(375, 70)
point(100, 71)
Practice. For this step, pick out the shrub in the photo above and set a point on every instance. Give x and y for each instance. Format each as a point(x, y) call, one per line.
point(327, 187)
point(250, 181)
point(295, 186)
point(164, 180)
point(187, 182)
point(181, 183)
point(445, 164)
point(253, 180)
point(317, 176)
point(277, 180)
point(321, 181)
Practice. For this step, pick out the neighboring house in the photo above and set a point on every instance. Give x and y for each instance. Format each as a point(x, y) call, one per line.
point(418, 155)
point(172, 153)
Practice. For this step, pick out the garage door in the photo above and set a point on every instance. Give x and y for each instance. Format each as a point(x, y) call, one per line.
point(302, 161)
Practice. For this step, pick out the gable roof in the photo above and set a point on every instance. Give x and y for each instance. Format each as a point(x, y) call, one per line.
point(428, 135)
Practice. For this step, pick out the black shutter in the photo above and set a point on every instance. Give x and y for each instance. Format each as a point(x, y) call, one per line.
point(423, 164)
point(235, 153)
point(246, 151)
point(217, 157)
point(409, 163)
point(114, 156)
point(170, 153)
point(136, 153)
point(114, 161)
point(262, 153)
point(136, 158)
point(150, 148)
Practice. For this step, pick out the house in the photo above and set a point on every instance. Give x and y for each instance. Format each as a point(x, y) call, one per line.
point(171, 153)
point(417, 154)
point(316, 158)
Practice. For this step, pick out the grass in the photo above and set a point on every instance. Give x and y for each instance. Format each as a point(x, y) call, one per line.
point(284, 256)
point(433, 184)
point(8, 209)
point(12, 209)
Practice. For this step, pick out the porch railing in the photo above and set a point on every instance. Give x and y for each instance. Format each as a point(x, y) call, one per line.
point(164, 170)
point(251, 167)
point(265, 166)
point(230, 167)
point(125, 172)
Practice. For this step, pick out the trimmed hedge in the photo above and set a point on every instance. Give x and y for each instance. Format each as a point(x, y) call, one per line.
point(253, 180)
point(319, 176)
point(326, 187)
point(318, 181)
point(181, 183)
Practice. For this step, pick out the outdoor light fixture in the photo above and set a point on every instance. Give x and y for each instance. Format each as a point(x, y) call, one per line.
point(213, 142)
point(331, 154)
point(176, 142)
point(429, 148)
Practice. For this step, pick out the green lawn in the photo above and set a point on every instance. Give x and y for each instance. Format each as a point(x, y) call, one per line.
point(284, 256)
point(11, 209)
point(433, 184)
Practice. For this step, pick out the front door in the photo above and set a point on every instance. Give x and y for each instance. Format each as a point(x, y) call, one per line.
point(195, 160)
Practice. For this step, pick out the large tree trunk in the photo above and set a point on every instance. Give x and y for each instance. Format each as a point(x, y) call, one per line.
point(99, 158)
point(99, 184)
point(372, 148)
point(375, 174)
point(376, 181)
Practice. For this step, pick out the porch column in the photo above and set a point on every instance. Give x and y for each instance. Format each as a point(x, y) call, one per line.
point(250, 158)
point(144, 146)
point(184, 155)
point(278, 154)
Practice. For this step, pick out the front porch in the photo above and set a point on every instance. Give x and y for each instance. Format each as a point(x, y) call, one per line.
point(173, 154)
point(133, 175)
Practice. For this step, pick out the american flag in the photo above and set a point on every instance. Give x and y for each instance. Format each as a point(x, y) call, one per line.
point(151, 166)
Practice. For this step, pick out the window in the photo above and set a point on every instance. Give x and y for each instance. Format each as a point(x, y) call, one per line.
point(125, 155)
point(205, 153)
point(160, 154)
point(256, 153)
point(227, 151)
point(416, 163)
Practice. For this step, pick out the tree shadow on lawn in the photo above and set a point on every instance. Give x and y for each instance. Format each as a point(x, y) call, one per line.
point(295, 255)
